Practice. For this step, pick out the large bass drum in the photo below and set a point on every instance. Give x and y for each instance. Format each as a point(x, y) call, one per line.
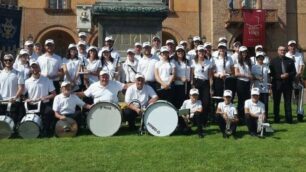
point(104, 119)
point(6, 126)
point(160, 118)
point(30, 126)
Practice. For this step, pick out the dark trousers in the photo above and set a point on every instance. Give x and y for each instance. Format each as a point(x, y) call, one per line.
point(181, 93)
point(204, 90)
point(57, 87)
point(130, 116)
point(287, 93)
point(251, 123)
point(166, 94)
point(243, 93)
point(231, 84)
point(264, 98)
point(16, 111)
point(222, 124)
point(197, 120)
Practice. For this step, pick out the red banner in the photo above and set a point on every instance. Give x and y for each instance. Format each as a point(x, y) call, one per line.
point(254, 31)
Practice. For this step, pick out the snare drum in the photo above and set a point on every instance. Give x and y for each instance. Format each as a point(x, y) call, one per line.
point(30, 126)
point(104, 119)
point(6, 126)
point(66, 128)
point(160, 118)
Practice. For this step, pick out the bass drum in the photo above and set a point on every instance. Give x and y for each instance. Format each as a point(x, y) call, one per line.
point(6, 126)
point(30, 126)
point(160, 118)
point(66, 128)
point(104, 119)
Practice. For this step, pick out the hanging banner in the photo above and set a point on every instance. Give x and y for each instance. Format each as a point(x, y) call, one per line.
point(254, 32)
point(10, 24)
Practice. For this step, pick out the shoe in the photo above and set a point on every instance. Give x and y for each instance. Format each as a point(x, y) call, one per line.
point(300, 117)
point(224, 136)
point(201, 135)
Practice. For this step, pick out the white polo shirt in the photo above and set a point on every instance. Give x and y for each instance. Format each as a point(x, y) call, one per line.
point(165, 69)
point(110, 68)
point(187, 104)
point(230, 109)
point(115, 54)
point(9, 81)
point(22, 68)
point(101, 93)
point(245, 70)
point(142, 95)
point(146, 67)
point(298, 59)
point(200, 70)
point(129, 69)
point(37, 88)
point(182, 71)
point(255, 108)
point(192, 53)
point(223, 65)
point(93, 66)
point(261, 71)
point(50, 65)
point(235, 58)
point(66, 105)
point(72, 67)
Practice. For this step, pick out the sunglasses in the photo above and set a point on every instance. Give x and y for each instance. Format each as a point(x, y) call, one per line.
point(8, 60)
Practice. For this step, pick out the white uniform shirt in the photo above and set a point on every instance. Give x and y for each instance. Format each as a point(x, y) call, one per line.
point(235, 58)
point(101, 93)
point(110, 68)
point(182, 71)
point(192, 53)
point(245, 70)
point(201, 70)
point(115, 54)
point(37, 88)
point(216, 53)
point(155, 51)
point(9, 81)
point(93, 66)
point(24, 69)
point(72, 67)
point(50, 65)
point(298, 59)
point(230, 109)
point(144, 95)
point(165, 70)
point(255, 108)
point(219, 64)
point(66, 105)
point(187, 104)
point(129, 70)
point(146, 67)
point(261, 71)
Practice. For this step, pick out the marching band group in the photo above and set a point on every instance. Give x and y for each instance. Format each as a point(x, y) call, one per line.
point(201, 80)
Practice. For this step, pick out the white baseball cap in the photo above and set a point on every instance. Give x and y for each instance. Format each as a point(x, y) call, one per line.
point(169, 41)
point(183, 42)
point(260, 54)
point(206, 44)
point(222, 39)
point(255, 91)
point(49, 41)
point(72, 46)
point(222, 44)
point(82, 34)
point(102, 72)
point(155, 37)
point(130, 50)
point(82, 43)
point(237, 43)
point(179, 47)
point(227, 93)
point(33, 62)
point(28, 42)
point(23, 51)
point(138, 75)
point(258, 46)
point(92, 48)
point(201, 47)
point(146, 44)
point(291, 42)
point(243, 48)
point(194, 91)
point(137, 44)
point(104, 49)
point(109, 38)
point(196, 38)
point(65, 83)
point(164, 49)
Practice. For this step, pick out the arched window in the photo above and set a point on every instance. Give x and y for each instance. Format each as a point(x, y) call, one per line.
point(59, 4)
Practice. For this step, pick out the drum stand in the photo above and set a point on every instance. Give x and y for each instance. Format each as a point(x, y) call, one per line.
point(142, 129)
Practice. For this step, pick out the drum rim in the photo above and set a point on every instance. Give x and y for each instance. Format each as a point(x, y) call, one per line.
point(20, 131)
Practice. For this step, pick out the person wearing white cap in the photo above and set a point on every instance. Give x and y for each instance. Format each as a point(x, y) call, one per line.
point(109, 42)
point(65, 103)
point(156, 44)
point(11, 87)
point(227, 115)
point(104, 89)
point(82, 53)
point(37, 51)
point(224, 41)
point(138, 96)
point(93, 66)
point(208, 47)
point(71, 67)
point(254, 111)
point(283, 73)
point(182, 79)
point(234, 56)
point(41, 88)
point(51, 64)
point(146, 65)
point(138, 49)
point(165, 74)
point(109, 63)
point(196, 111)
point(129, 67)
point(83, 36)
point(22, 63)
point(196, 40)
point(29, 45)
point(244, 78)
point(259, 49)
point(223, 69)
point(171, 47)
point(202, 74)
point(261, 76)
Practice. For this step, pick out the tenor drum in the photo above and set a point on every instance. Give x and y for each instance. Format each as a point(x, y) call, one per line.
point(6, 126)
point(160, 118)
point(66, 128)
point(104, 119)
point(30, 126)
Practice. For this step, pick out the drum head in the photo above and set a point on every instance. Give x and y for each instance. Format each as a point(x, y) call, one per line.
point(66, 128)
point(104, 119)
point(161, 119)
point(6, 127)
point(29, 130)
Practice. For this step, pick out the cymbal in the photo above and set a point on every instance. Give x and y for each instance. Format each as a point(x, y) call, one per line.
point(66, 128)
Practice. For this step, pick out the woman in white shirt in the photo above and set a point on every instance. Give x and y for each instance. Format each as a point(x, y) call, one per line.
point(165, 75)
point(93, 66)
point(109, 64)
point(22, 64)
point(129, 67)
point(244, 77)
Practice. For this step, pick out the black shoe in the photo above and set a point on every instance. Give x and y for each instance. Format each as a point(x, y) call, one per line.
point(224, 135)
point(253, 134)
point(300, 117)
point(201, 135)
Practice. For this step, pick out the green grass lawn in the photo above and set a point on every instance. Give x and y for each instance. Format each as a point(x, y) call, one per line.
point(285, 150)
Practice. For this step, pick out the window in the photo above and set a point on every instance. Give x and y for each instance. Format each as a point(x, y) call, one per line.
point(59, 4)
point(9, 2)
